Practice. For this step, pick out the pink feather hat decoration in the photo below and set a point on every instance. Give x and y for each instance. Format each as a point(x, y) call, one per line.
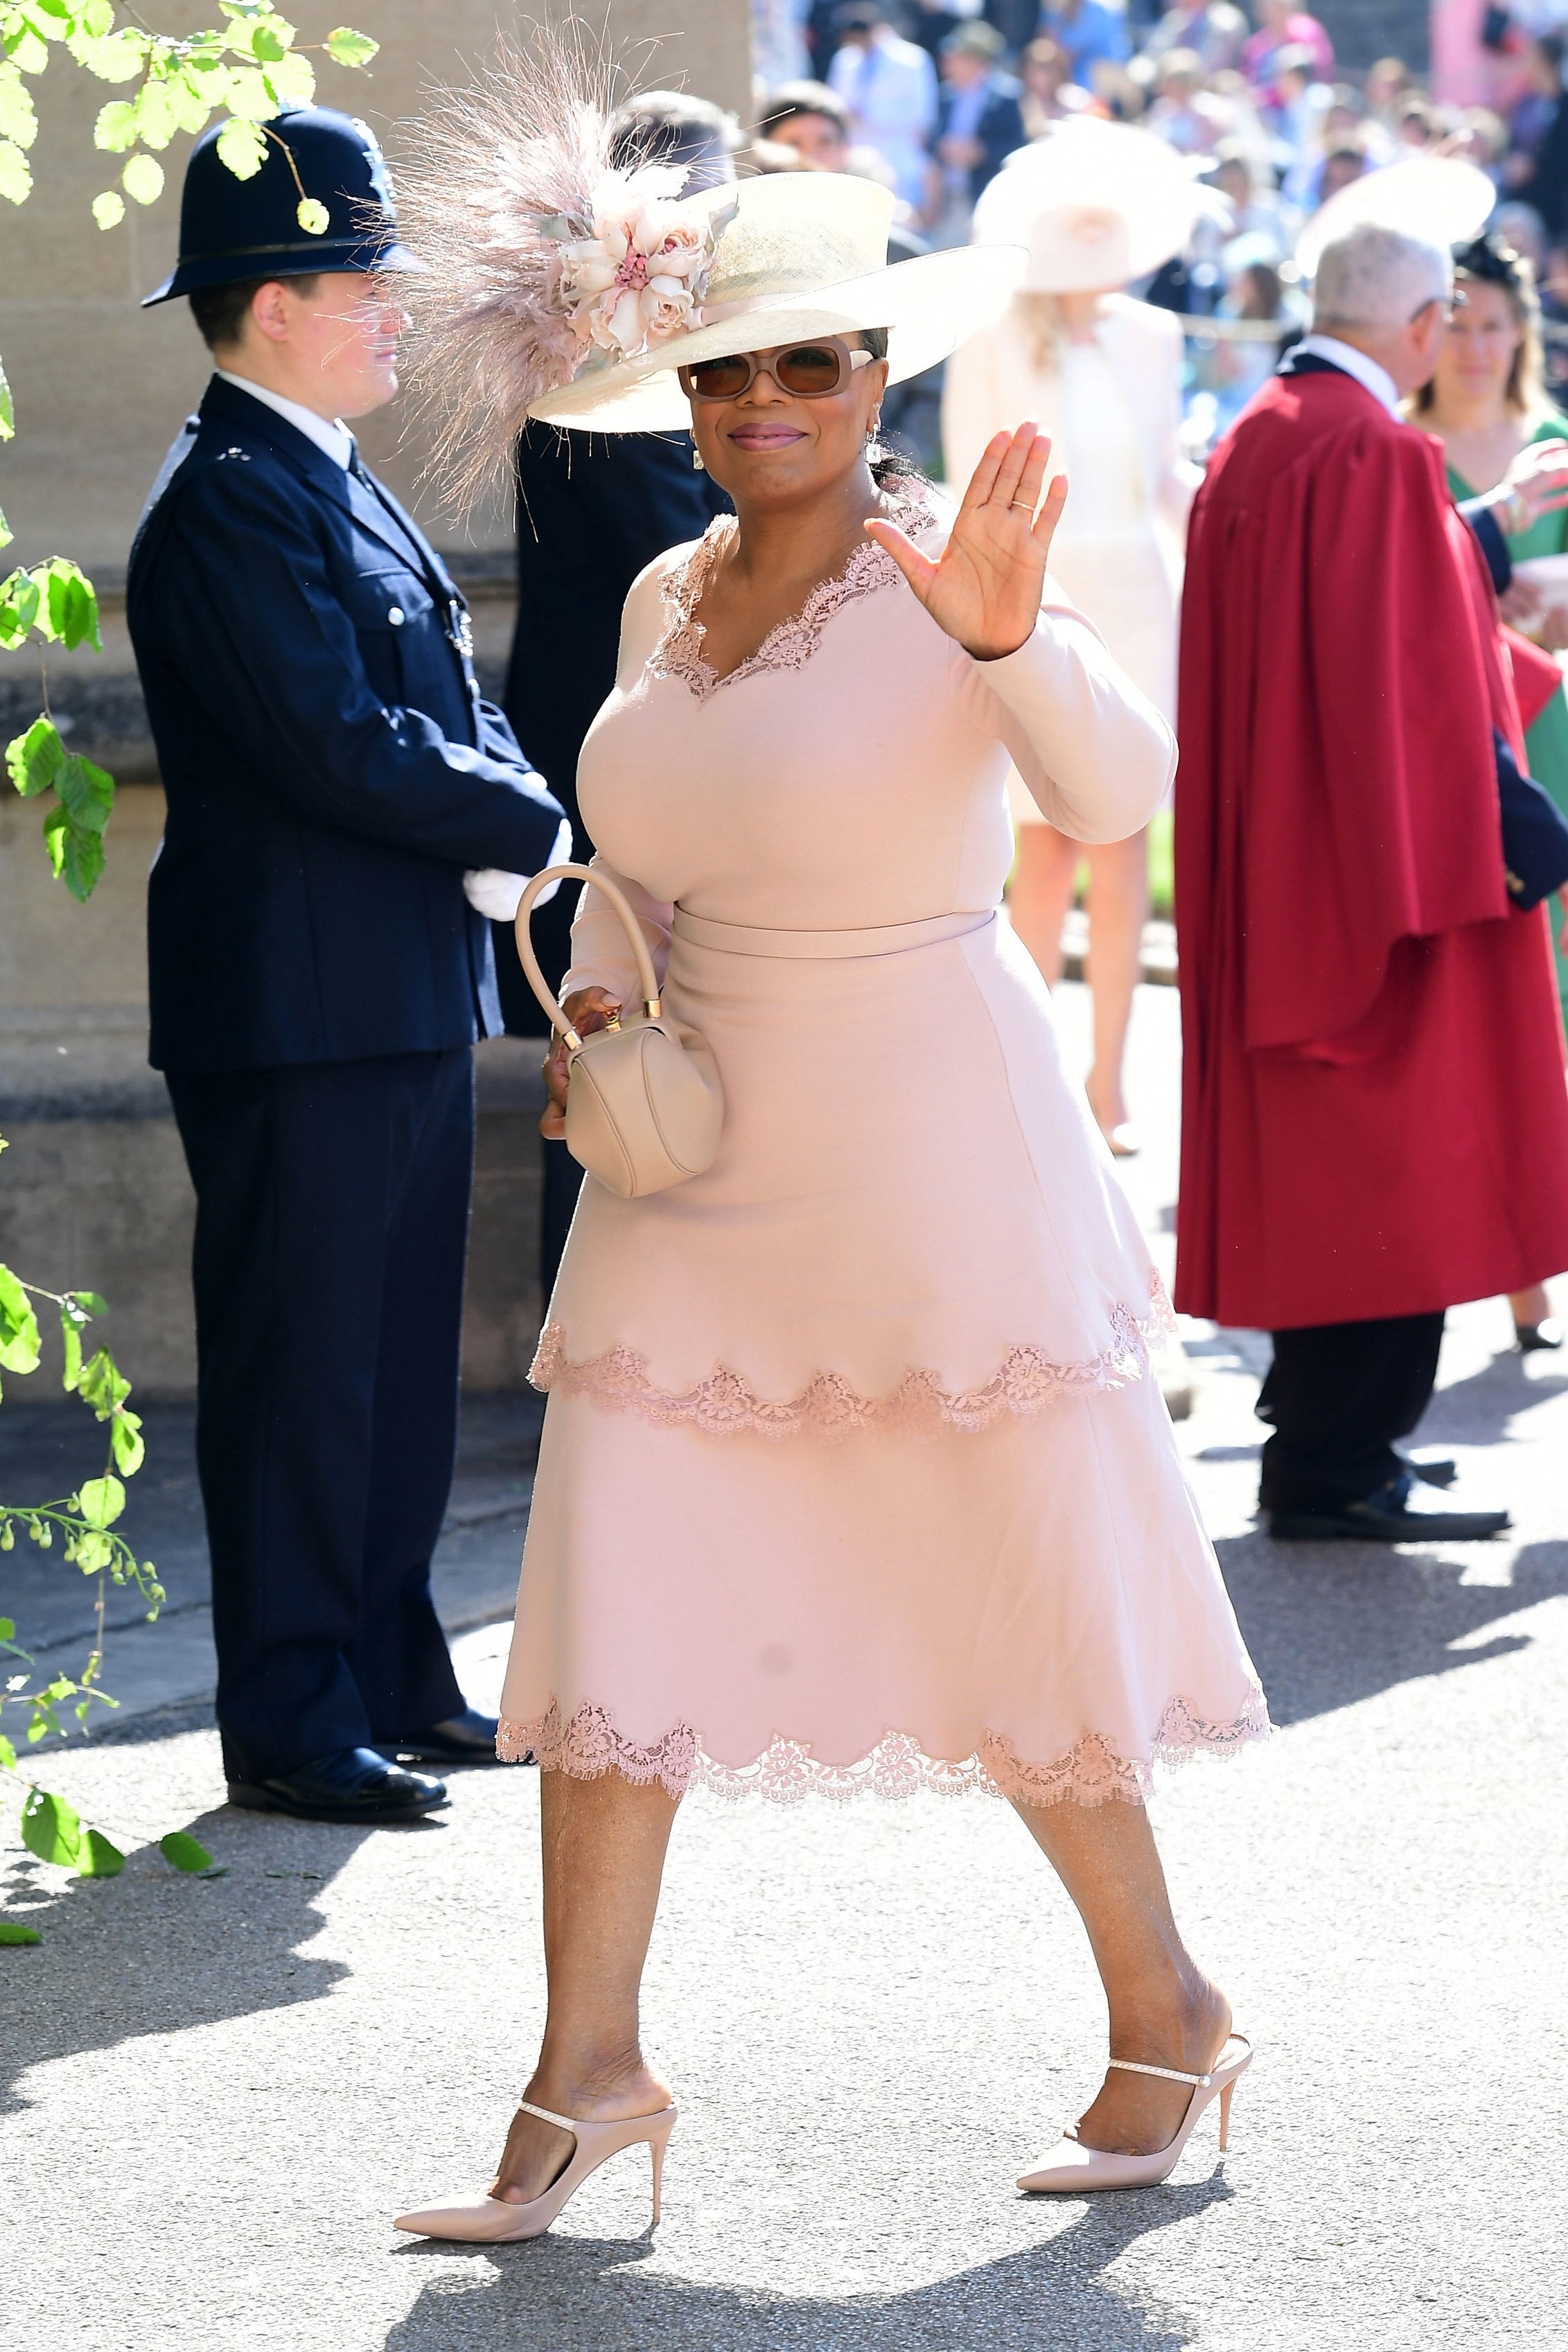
point(541, 258)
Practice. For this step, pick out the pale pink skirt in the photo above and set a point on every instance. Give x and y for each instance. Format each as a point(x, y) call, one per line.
point(855, 1472)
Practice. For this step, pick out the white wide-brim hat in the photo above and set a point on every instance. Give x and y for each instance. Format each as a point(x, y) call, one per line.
point(1440, 199)
point(1094, 204)
point(804, 252)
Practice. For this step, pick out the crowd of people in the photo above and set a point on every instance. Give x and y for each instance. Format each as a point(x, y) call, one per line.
point(932, 100)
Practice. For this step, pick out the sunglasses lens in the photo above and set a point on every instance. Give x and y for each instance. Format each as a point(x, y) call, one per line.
point(718, 379)
point(809, 369)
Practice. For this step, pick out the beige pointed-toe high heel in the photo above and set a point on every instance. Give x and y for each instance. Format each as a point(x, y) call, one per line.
point(492, 2221)
point(1075, 2169)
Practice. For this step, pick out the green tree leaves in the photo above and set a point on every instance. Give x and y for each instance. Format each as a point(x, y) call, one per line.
point(350, 48)
point(33, 761)
point(54, 599)
point(19, 129)
point(18, 1325)
point(115, 129)
point(247, 67)
point(142, 179)
point(184, 1852)
point(37, 762)
point(101, 1501)
point(242, 148)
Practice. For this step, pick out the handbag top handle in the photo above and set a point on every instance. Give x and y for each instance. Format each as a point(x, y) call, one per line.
point(632, 927)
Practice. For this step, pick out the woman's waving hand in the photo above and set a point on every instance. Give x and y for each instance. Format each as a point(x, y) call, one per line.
point(985, 587)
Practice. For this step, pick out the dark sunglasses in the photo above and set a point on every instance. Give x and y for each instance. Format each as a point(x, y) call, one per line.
point(806, 371)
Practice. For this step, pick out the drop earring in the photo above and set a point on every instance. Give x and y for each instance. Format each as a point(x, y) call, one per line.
point(697, 466)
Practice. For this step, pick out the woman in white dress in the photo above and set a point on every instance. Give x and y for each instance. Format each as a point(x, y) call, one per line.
point(1095, 205)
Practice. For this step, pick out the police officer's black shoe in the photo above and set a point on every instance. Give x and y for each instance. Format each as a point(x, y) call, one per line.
point(465, 1738)
point(353, 1784)
point(1385, 1517)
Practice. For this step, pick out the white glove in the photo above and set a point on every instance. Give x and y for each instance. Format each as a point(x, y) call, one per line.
point(494, 895)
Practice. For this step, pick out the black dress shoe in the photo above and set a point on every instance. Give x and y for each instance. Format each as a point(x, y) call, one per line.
point(353, 1784)
point(465, 1738)
point(1385, 1517)
point(1529, 1336)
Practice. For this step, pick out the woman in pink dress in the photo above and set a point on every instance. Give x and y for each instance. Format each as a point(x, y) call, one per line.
point(853, 1474)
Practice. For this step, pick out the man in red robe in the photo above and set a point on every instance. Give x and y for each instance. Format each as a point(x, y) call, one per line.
point(1375, 1114)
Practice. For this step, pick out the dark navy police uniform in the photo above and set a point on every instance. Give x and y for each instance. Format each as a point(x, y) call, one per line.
point(318, 980)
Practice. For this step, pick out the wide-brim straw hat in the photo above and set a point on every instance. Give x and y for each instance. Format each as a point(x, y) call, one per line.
point(1440, 199)
point(1095, 205)
point(803, 253)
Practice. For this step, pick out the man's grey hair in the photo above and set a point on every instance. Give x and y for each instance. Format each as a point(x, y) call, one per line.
point(1373, 277)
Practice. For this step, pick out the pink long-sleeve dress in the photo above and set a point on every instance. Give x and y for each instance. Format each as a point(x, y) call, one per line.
point(854, 1472)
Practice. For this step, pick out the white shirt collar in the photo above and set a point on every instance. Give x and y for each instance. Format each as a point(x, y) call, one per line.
point(1367, 371)
point(328, 433)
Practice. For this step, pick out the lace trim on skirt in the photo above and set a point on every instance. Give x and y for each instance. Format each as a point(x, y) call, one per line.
point(725, 1404)
point(589, 1745)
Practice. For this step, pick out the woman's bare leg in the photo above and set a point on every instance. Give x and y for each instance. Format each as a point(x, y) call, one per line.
point(1043, 892)
point(1164, 2011)
point(603, 1843)
point(1118, 909)
point(1531, 1306)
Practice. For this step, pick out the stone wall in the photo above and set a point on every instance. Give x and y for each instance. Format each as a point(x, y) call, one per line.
point(93, 1191)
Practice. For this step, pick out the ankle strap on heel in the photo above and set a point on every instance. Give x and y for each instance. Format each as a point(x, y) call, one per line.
point(545, 2115)
point(1130, 2066)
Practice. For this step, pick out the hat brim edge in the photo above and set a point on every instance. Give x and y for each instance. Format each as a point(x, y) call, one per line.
point(353, 258)
point(930, 303)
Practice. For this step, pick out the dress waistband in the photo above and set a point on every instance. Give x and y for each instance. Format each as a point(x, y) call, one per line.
point(880, 939)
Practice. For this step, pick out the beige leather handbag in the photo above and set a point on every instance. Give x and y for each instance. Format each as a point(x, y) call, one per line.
point(643, 1102)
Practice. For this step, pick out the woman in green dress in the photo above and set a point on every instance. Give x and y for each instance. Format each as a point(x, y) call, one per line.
point(1486, 403)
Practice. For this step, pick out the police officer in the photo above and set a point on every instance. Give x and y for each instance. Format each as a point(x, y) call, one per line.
point(341, 806)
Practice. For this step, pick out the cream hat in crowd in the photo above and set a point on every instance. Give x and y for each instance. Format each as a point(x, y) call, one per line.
point(1096, 204)
point(795, 253)
point(1440, 199)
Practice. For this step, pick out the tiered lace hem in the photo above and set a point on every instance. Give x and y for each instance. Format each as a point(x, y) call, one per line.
point(726, 1404)
point(588, 1743)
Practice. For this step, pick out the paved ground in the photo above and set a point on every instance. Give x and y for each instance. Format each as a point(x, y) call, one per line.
point(216, 2092)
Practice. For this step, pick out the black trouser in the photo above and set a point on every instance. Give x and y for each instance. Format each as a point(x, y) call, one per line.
point(1337, 1396)
point(332, 1227)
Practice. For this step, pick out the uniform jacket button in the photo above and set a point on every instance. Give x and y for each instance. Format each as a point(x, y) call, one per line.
point(394, 614)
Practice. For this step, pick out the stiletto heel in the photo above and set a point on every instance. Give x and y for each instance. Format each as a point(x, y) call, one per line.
point(656, 2146)
point(1075, 2168)
point(491, 2220)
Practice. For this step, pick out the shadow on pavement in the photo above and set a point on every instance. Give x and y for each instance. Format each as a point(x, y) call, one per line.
point(583, 2294)
point(1480, 1410)
point(156, 1952)
point(1328, 1624)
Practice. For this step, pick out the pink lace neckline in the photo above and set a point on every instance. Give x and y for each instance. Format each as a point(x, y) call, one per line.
point(790, 643)
point(589, 1743)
